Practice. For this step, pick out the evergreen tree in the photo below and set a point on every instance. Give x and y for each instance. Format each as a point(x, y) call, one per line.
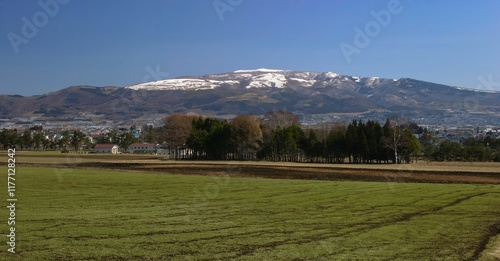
point(25, 141)
point(336, 146)
point(211, 139)
point(38, 140)
point(126, 139)
point(351, 141)
point(8, 138)
point(77, 139)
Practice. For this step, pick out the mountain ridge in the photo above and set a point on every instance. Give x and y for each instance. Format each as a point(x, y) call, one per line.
point(256, 92)
point(256, 78)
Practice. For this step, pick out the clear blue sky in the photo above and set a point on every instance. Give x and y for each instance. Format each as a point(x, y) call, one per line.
point(119, 43)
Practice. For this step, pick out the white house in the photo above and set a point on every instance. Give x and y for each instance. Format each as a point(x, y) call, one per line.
point(142, 148)
point(106, 148)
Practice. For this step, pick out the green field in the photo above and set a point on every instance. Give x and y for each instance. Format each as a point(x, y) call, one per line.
point(72, 214)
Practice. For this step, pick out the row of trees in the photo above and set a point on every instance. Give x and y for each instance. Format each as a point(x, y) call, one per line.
point(471, 149)
point(278, 136)
point(35, 139)
point(357, 143)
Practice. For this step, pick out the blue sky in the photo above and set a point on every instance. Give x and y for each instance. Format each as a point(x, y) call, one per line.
point(119, 43)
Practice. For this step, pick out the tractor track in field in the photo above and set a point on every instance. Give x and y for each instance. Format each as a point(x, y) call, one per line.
point(361, 228)
point(493, 231)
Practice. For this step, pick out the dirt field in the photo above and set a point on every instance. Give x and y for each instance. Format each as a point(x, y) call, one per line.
point(433, 172)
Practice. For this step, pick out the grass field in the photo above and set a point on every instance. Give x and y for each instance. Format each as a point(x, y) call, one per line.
point(75, 214)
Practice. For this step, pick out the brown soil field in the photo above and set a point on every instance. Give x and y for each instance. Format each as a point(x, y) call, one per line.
point(433, 172)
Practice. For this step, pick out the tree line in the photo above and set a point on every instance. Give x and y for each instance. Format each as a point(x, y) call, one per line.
point(34, 138)
point(277, 136)
point(470, 149)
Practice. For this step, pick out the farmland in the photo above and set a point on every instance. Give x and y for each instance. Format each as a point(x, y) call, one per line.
point(434, 172)
point(93, 213)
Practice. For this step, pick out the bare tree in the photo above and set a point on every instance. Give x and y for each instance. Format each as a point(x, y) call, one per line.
point(280, 119)
point(177, 129)
point(246, 135)
point(393, 134)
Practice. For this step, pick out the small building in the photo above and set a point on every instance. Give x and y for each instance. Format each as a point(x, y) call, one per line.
point(142, 148)
point(162, 151)
point(106, 148)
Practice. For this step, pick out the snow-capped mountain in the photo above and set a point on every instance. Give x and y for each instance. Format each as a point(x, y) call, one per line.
point(257, 92)
point(259, 78)
point(251, 78)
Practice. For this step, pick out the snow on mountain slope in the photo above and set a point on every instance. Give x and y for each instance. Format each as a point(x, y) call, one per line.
point(476, 90)
point(268, 80)
point(327, 76)
point(180, 84)
point(258, 78)
point(258, 70)
point(306, 83)
point(273, 78)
